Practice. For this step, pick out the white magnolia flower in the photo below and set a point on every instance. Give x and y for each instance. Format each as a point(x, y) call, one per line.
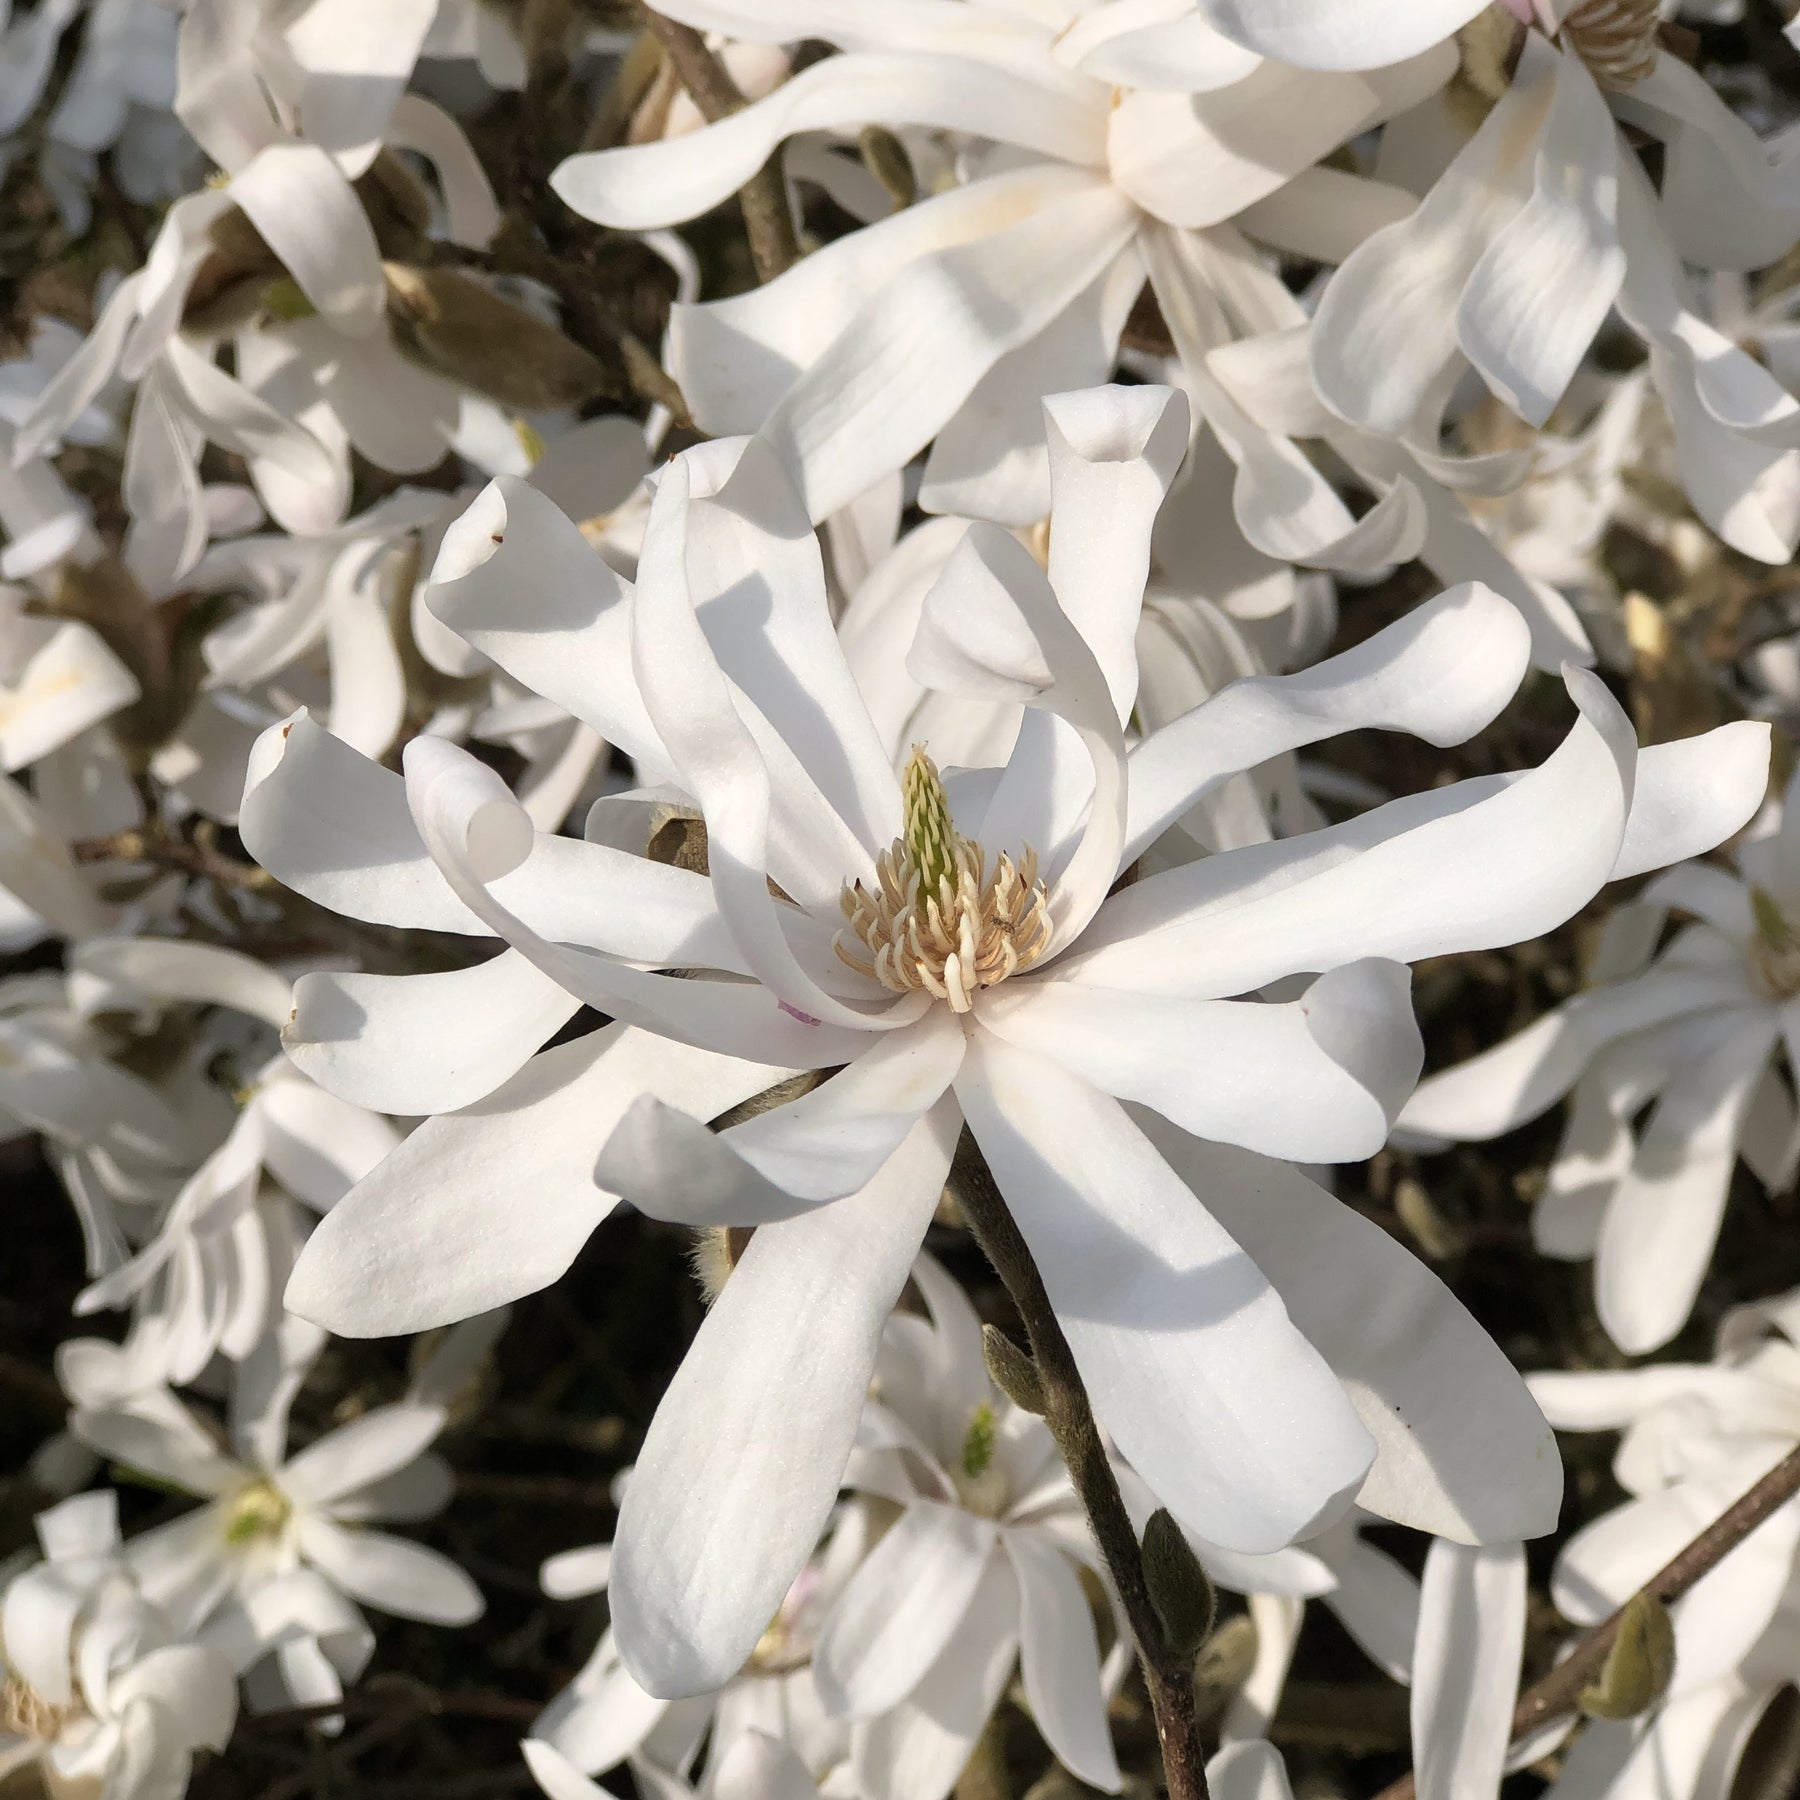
point(976, 1578)
point(1695, 1437)
point(604, 1718)
point(94, 1684)
point(1693, 1029)
point(268, 1513)
point(294, 104)
point(1033, 1004)
point(1543, 223)
point(1114, 159)
point(207, 1275)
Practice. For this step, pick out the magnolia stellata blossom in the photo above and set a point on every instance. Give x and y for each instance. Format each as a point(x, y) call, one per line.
point(1088, 993)
point(604, 1718)
point(1692, 1028)
point(207, 1271)
point(95, 1684)
point(268, 1513)
point(1694, 1437)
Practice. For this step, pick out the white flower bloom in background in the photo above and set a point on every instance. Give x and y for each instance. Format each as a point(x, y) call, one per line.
point(95, 1686)
point(207, 1273)
point(1692, 1028)
point(603, 1718)
point(1695, 1436)
point(268, 1514)
point(754, 1766)
point(1030, 1004)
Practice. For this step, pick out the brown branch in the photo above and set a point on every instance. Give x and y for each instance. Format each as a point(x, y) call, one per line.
point(1168, 1675)
point(768, 222)
point(1559, 1691)
point(190, 858)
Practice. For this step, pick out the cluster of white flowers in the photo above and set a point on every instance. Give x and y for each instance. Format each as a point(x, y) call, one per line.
point(735, 610)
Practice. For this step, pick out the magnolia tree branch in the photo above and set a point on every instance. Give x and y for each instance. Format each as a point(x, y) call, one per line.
point(767, 221)
point(1168, 1673)
point(1560, 1690)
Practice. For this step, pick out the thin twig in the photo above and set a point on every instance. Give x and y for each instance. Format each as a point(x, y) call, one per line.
point(767, 220)
point(172, 853)
point(1067, 1411)
point(1559, 1691)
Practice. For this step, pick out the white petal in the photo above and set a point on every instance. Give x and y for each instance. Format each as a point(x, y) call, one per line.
point(309, 215)
point(742, 1463)
point(1114, 452)
point(820, 1147)
point(1059, 1657)
point(1547, 279)
point(1466, 1668)
point(364, 1451)
point(1337, 34)
point(1693, 794)
point(516, 578)
point(1317, 1079)
point(201, 974)
point(479, 1207)
point(861, 410)
point(679, 178)
point(1441, 672)
point(392, 1574)
point(427, 1043)
point(1657, 1237)
point(316, 1145)
point(556, 1775)
point(1490, 862)
point(1167, 1318)
point(900, 1608)
point(355, 60)
point(920, 1747)
point(1528, 1073)
point(1462, 1450)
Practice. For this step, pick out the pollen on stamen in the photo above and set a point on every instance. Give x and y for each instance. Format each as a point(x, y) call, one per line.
point(937, 922)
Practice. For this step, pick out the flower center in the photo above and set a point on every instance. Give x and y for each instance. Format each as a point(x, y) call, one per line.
point(24, 1712)
point(1775, 950)
point(980, 1482)
point(1615, 38)
point(260, 1510)
point(939, 922)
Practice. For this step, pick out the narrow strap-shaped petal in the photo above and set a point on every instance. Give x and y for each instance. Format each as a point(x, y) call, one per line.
point(1466, 1668)
point(664, 183)
point(921, 1746)
point(512, 1176)
point(992, 626)
point(1441, 672)
point(742, 1463)
point(1318, 1079)
point(826, 1144)
point(308, 214)
point(1657, 1236)
point(368, 1448)
point(1693, 794)
point(168, 969)
point(1337, 34)
point(354, 61)
point(1462, 1449)
point(390, 1573)
point(1168, 1319)
point(426, 1043)
point(1114, 452)
point(1530, 1071)
point(1466, 867)
point(1059, 1658)
point(515, 577)
point(900, 1608)
point(1547, 279)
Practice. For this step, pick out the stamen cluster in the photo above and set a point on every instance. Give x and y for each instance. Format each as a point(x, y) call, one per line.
point(1615, 38)
point(938, 921)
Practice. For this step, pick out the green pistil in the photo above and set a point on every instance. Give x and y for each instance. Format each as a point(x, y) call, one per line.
point(978, 1442)
point(930, 833)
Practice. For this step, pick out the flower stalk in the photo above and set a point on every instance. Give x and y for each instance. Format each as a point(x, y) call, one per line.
point(1168, 1668)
